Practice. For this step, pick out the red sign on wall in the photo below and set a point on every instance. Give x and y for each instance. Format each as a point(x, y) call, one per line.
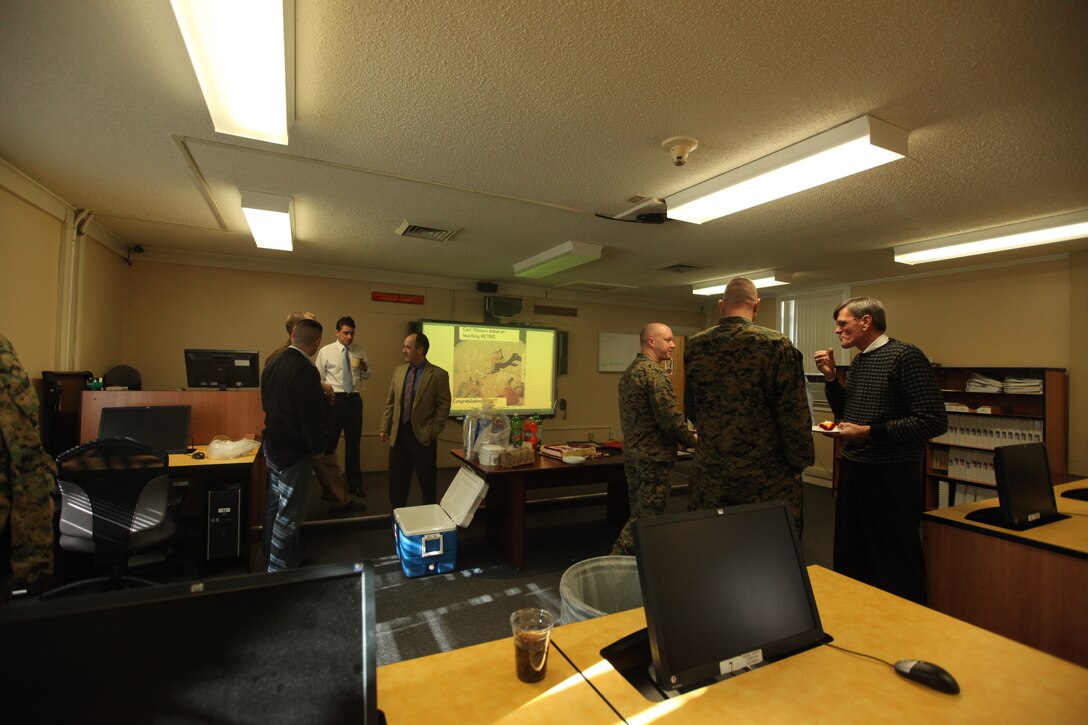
point(396, 297)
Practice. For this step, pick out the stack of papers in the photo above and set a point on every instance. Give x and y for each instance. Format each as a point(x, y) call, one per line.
point(977, 383)
point(1024, 386)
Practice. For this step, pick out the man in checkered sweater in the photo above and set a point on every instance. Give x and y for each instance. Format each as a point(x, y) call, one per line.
point(888, 408)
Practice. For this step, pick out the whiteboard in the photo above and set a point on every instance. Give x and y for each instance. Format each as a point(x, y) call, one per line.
point(616, 350)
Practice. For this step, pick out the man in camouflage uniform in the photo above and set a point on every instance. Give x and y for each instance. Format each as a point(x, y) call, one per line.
point(27, 479)
point(652, 426)
point(745, 392)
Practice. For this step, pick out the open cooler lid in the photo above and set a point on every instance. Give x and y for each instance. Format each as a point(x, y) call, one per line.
point(463, 497)
point(426, 519)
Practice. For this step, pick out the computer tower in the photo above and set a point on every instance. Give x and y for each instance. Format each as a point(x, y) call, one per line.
point(224, 519)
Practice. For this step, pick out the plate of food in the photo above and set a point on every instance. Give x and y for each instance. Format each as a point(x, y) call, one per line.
point(827, 427)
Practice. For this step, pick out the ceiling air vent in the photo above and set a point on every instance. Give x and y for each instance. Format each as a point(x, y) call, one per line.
point(677, 267)
point(421, 232)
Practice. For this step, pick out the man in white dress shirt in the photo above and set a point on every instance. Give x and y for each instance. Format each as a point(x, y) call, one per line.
point(343, 365)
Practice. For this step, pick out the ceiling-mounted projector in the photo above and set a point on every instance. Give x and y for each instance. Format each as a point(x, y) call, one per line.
point(651, 211)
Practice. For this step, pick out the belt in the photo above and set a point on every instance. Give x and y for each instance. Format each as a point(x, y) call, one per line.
point(345, 394)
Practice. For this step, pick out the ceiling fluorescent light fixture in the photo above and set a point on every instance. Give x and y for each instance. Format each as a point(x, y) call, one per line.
point(269, 217)
point(998, 239)
point(767, 278)
point(557, 259)
point(243, 55)
point(842, 151)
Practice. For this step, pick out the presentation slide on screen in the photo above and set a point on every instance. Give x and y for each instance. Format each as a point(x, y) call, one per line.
point(512, 367)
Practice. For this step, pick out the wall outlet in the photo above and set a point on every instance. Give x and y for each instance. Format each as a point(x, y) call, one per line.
point(589, 435)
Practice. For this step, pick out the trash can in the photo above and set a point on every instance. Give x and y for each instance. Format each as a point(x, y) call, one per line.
point(599, 586)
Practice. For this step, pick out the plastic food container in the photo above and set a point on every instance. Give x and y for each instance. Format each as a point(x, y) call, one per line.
point(489, 454)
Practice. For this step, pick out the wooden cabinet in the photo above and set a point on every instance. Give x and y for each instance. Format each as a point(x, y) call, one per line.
point(964, 455)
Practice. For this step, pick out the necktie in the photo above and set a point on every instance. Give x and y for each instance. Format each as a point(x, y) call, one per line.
point(409, 392)
point(348, 382)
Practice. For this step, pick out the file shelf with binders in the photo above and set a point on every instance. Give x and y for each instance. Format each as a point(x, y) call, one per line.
point(978, 422)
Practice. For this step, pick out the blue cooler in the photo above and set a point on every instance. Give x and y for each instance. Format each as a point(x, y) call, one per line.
point(426, 536)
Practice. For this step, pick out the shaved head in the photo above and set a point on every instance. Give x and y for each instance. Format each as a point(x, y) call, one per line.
point(654, 329)
point(740, 291)
point(740, 299)
point(657, 342)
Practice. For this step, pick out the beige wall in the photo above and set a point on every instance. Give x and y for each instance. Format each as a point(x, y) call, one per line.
point(1078, 364)
point(1005, 316)
point(30, 242)
point(102, 301)
point(168, 307)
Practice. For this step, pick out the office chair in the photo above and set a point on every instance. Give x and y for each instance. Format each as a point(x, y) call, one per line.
point(114, 502)
point(123, 376)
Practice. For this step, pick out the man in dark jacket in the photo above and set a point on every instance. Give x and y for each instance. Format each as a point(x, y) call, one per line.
point(294, 433)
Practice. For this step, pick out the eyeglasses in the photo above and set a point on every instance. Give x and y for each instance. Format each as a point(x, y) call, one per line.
point(839, 324)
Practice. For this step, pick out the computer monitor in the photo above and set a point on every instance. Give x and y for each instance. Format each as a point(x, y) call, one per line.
point(1025, 491)
point(161, 426)
point(725, 590)
point(294, 646)
point(222, 369)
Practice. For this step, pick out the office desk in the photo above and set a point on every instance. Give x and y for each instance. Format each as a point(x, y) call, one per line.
point(507, 487)
point(999, 679)
point(1028, 585)
point(222, 493)
point(478, 685)
point(233, 413)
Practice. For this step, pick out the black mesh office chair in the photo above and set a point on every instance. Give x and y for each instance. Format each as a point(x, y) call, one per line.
point(123, 376)
point(114, 502)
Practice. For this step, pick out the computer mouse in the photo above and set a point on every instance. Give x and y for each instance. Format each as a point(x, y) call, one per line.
point(928, 674)
point(198, 455)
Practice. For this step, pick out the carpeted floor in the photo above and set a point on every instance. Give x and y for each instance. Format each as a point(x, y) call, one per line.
point(424, 615)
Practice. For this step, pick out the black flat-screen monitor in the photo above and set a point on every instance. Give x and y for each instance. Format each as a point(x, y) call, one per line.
point(161, 426)
point(1025, 491)
point(511, 367)
point(296, 646)
point(725, 590)
point(222, 369)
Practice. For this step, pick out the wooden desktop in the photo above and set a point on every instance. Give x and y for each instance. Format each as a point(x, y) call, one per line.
point(1028, 585)
point(478, 685)
point(1000, 680)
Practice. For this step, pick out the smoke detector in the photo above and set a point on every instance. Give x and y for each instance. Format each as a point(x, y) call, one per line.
point(678, 148)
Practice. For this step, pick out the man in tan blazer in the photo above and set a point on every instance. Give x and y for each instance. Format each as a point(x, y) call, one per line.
point(416, 410)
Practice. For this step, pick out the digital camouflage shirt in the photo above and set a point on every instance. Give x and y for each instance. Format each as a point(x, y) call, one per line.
point(649, 415)
point(27, 473)
point(744, 388)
